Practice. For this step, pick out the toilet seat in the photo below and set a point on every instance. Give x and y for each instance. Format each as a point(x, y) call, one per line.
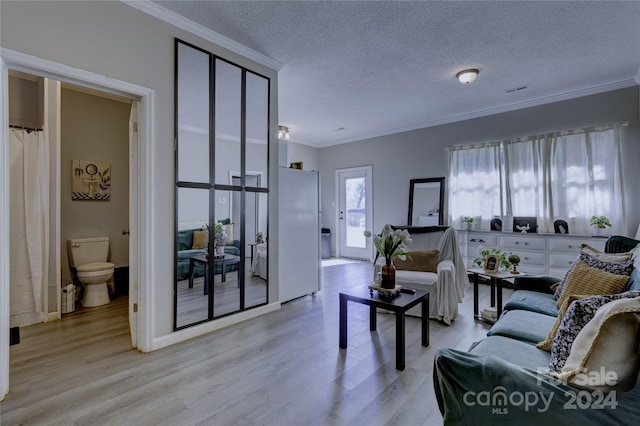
point(95, 266)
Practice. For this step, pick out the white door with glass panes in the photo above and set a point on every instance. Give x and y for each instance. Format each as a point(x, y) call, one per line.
point(355, 213)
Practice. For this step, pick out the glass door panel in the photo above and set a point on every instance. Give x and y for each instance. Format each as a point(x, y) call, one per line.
point(192, 267)
point(228, 120)
point(257, 119)
point(192, 112)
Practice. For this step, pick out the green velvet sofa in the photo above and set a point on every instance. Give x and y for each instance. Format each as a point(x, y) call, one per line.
point(500, 379)
point(185, 251)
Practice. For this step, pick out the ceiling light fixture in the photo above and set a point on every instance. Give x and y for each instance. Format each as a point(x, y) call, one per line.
point(467, 76)
point(283, 132)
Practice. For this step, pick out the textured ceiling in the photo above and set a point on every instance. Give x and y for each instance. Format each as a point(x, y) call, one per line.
point(354, 70)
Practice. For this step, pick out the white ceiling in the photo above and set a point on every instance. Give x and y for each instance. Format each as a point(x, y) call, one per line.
point(360, 69)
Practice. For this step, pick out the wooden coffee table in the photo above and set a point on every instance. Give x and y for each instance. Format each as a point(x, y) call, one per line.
point(399, 305)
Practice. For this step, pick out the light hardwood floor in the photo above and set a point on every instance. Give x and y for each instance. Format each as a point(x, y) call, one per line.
point(284, 368)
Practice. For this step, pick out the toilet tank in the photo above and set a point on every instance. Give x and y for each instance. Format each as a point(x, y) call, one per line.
point(87, 250)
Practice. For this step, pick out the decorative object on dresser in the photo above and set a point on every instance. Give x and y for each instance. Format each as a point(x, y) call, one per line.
point(496, 224)
point(468, 222)
point(525, 224)
point(600, 223)
point(561, 226)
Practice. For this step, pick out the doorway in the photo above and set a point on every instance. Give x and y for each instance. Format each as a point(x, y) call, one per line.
point(355, 212)
point(141, 195)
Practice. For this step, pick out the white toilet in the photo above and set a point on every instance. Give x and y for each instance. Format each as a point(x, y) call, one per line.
point(89, 257)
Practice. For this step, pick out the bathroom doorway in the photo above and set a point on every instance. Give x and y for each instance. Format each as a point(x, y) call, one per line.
point(53, 127)
point(142, 193)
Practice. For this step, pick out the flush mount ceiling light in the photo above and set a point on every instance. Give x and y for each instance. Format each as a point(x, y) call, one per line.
point(283, 132)
point(467, 76)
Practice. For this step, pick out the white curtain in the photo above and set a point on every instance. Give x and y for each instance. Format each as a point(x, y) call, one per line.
point(475, 183)
point(570, 175)
point(29, 224)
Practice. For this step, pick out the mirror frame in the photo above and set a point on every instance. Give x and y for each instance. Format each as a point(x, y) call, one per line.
point(412, 184)
point(212, 186)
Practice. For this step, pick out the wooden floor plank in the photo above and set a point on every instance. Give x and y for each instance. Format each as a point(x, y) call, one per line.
point(284, 368)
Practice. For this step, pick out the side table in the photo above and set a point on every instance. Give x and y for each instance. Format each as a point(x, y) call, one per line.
point(496, 288)
point(399, 305)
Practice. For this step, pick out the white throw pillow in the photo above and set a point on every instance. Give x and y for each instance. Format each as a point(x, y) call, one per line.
point(604, 354)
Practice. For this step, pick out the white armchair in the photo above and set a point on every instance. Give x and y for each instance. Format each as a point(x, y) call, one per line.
point(447, 285)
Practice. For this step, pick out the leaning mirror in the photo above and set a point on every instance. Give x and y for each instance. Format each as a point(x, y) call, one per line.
point(426, 202)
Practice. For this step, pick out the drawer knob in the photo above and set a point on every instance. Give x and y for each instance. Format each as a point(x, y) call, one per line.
point(517, 242)
point(570, 246)
point(526, 243)
point(526, 258)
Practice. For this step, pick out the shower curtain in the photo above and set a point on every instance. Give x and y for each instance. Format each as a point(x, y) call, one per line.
point(29, 224)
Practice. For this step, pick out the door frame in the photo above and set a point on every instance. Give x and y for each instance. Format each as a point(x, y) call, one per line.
point(141, 197)
point(368, 170)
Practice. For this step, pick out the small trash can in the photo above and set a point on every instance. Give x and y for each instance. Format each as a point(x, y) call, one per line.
point(325, 252)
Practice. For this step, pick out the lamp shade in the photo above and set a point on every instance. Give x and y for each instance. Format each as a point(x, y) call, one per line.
point(467, 76)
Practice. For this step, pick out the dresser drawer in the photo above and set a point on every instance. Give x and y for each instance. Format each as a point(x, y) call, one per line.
point(522, 243)
point(557, 260)
point(572, 245)
point(533, 259)
point(485, 240)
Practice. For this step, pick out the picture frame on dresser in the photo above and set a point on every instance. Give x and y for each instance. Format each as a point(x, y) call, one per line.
point(525, 224)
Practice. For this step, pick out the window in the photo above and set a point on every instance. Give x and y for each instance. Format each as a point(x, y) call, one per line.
point(568, 175)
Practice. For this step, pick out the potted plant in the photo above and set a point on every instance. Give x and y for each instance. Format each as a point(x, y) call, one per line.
point(600, 223)
point(390, 244)
point(468, 221)
point(503, 258)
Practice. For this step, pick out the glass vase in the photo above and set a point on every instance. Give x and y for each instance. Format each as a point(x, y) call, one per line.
point(388, 276)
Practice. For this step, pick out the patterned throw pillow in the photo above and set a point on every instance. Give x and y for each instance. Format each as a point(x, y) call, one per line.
point(617, 268)
point(422, 261)
point(607, 343)
point(584, 281)
point(579, 313)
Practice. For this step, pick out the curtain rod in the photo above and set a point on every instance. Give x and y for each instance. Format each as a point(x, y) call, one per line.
point(28, 129)
point(481, 144)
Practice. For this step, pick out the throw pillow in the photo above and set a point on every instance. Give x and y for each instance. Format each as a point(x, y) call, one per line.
point(584, 279)
point(228, 228)
point(577, 316)
point(606, 257)
point(200, 240)
point(422, 261)
point(547, 343)
point(607, 344)
point(618, 268)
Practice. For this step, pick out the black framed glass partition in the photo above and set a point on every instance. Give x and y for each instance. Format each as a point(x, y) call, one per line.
point(222, 165)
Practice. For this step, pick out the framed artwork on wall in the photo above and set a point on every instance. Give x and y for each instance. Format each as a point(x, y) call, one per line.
point(90, 180)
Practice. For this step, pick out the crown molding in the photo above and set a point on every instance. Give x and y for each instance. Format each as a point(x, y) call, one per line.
point(608, 87)
point(179, 21)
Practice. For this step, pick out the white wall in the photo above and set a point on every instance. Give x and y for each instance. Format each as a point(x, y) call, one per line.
point(305, 153)
point(421, 153)
point(121, 42)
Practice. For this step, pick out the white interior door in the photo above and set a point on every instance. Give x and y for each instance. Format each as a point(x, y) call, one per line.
point(355, 213)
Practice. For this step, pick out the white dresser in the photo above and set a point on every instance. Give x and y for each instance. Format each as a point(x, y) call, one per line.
point(550, 254)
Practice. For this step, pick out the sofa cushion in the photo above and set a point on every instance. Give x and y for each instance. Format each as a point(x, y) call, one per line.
point(586, 280)
point(511, 350)
point(526, 326)
point(614, 326)
point(200, 240)
point(577, 316)
point(533, 301)
point(415, 277)
point(186, 254)
point(421, 261)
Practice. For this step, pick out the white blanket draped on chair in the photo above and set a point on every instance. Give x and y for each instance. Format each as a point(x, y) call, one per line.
point(447, 286)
